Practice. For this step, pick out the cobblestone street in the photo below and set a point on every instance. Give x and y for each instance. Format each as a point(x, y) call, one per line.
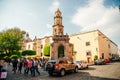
point(110, 71)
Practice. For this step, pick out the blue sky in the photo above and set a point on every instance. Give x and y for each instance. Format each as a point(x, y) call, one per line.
point(37, 16)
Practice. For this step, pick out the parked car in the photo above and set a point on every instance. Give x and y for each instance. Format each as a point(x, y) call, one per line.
point(116, 59)
point(60, 67)
point(100, 62)
point(81, 64)
point(107, 60)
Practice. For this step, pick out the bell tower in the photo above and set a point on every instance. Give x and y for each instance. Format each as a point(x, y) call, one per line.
point(60, 47)
point(58, 27)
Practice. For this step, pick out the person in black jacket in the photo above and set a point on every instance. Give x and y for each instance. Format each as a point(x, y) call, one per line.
point(14, 63)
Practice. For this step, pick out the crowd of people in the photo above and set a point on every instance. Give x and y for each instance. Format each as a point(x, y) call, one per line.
point(24, 66)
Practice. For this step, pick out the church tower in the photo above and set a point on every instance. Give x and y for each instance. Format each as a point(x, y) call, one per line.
point(58, 27)
point(60, 48)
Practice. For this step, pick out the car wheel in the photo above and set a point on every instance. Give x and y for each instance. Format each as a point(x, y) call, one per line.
point(81, 67)
point(87, 67)
point(62, 72)
point(76, 69)
point(50, 73)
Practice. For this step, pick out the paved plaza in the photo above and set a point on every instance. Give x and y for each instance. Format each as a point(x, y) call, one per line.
point(110, 71)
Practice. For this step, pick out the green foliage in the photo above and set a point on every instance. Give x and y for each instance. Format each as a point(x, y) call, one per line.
point(19, 54)
point(14, 57)
point(47, 50)
point(2, 55)
point(28, 52)
point(10, 40)
point(95, 57)
point(6, 57)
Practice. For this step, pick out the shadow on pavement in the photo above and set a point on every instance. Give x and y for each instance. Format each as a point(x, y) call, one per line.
point(79, 76)
point(90, 68)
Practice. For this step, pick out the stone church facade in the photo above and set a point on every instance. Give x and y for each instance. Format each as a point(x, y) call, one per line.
point(60, 46)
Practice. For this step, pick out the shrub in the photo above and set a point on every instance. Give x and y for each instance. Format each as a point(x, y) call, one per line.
point(47, 50)
point(95, 57)
point(28, 52)
point(14, 57)
point(6, 57)
point(19, 54)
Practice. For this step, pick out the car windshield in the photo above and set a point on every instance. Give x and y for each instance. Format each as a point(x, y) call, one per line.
point(52, 61)
point(76, 61)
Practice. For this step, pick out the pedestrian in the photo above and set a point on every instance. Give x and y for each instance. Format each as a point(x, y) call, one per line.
point(25, 64)
point(14, 63)
point(5, 64)
point(29, 66)
point(20, 64)
point(35, 67)
point(44, 64)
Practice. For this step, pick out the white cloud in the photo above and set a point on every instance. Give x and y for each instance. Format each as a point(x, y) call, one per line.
point(96, 16)
point(55, 5)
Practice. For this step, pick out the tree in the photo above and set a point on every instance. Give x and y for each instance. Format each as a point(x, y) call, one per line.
point(11, 40)
point(47, 50)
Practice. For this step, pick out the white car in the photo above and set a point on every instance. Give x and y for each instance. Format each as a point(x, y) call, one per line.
point(81, 64)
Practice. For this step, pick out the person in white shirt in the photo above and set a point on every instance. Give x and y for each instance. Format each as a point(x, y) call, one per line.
point(5, 65)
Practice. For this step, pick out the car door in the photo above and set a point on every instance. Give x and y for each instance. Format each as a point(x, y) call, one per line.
point(71, 65)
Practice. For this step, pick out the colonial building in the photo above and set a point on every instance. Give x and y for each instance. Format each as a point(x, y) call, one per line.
point(93, 43)
point(85, 46)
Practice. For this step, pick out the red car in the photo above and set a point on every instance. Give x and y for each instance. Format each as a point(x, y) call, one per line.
point(107, 60)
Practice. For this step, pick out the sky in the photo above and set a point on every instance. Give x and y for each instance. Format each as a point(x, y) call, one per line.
point(37, 16)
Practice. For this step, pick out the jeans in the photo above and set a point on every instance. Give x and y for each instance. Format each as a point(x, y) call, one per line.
point(35, 69)
point(30, 70)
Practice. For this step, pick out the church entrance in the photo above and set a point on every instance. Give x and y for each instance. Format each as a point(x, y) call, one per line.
point(61, 51)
